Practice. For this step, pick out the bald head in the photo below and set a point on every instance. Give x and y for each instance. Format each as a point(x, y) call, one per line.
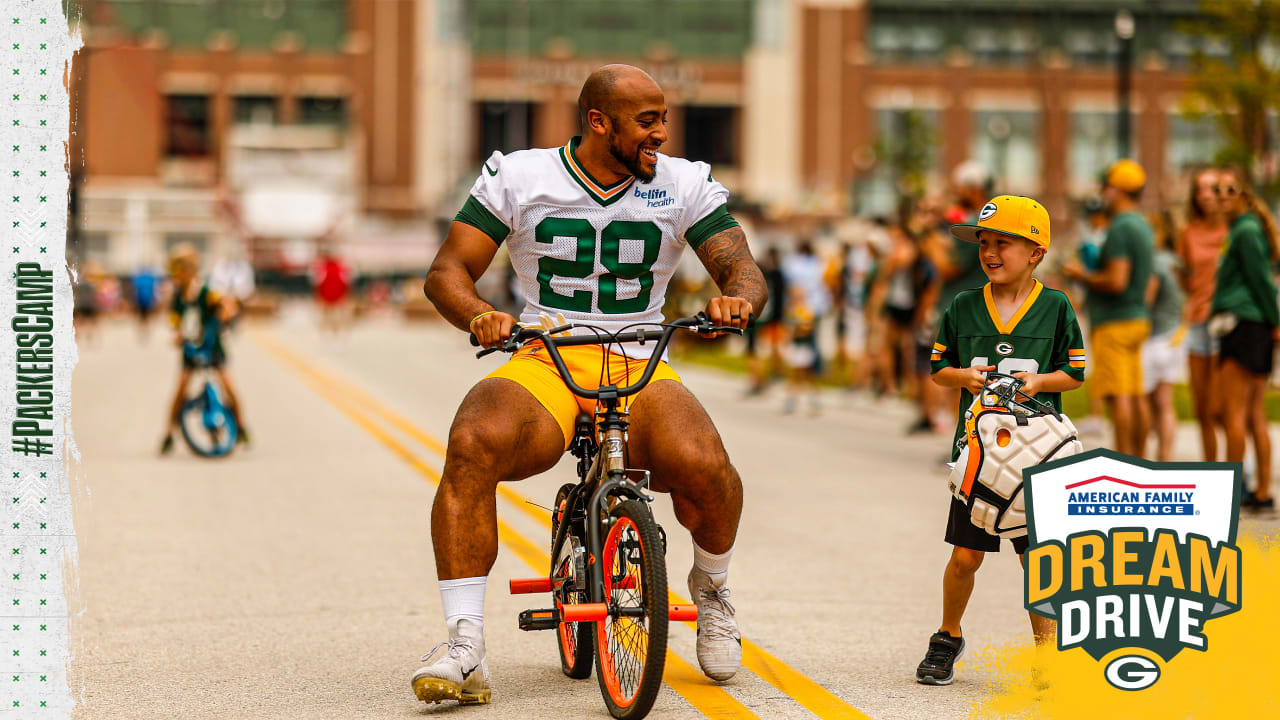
point(612, 86)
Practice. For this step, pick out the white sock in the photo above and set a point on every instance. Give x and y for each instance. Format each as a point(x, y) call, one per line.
point(463, 601)
point(715, 566)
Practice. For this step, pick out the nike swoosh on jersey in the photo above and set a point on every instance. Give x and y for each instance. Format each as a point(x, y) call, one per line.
point(491, 172)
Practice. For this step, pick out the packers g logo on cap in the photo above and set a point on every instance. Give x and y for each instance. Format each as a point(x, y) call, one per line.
point(1011, 215)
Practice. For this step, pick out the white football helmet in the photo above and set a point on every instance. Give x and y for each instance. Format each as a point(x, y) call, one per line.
point(1006, 431)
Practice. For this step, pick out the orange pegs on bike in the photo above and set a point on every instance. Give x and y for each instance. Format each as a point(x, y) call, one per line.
point(585, 612)
point(527, 586)
point(682, 613)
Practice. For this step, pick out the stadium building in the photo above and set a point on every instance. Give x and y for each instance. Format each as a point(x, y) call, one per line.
point(266, 125)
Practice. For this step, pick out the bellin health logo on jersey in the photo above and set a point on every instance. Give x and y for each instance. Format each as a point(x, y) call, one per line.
point(1132, 558)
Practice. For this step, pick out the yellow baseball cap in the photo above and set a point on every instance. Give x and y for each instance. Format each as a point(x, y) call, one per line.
point(1126, 175)
point(1010, 215)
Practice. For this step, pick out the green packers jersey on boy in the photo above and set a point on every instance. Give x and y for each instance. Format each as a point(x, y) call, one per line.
point(1043, 336)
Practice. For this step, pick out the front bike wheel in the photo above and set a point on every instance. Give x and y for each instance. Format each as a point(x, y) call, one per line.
point(568, 568)
point(631, 643)
point(207, 426)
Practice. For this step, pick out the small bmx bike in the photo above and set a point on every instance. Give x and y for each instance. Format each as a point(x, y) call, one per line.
point(608, 575)
point(208, 426)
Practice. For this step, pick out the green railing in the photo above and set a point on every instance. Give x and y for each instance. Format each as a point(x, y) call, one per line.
point(319, 25)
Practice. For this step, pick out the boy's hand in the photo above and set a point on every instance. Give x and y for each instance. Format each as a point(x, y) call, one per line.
point(975, 380)
point(1031, 382)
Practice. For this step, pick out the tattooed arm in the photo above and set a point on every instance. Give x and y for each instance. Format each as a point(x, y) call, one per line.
point(728, 259)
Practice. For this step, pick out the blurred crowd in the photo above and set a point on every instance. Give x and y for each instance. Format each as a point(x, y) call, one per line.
point(861, 310)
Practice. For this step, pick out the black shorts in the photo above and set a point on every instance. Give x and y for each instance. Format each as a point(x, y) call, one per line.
point(217, 359)
point(902, 317)
point(1251, 344)
point(961, 532)
point(924, 362)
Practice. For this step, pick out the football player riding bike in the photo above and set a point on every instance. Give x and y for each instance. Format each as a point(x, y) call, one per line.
point(595, 230)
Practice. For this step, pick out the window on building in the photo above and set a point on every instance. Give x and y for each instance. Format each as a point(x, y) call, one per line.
point(504, 126)
point(1008, 142)
point(991, 45)
point(255, 109)
point(1094, 146)
point(322, 111)
point(907, 41)
point(1092, 46)
point(906, 138)
point(1193, 141)
point(711, 134)
point(188, 126)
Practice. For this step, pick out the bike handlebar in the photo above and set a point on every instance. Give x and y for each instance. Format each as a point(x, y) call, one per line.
point(520, 334)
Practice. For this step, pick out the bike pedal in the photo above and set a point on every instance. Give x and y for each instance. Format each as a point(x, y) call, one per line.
point(540, 619)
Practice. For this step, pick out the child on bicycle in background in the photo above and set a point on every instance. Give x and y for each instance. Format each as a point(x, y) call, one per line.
point(198, 315)
point(1016, 326)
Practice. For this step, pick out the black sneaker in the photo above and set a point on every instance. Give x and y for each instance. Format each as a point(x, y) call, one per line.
point(166, 446)
point(939, 664)
point(242, 437)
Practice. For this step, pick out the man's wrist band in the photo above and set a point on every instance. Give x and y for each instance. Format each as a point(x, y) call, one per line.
point(474, 319)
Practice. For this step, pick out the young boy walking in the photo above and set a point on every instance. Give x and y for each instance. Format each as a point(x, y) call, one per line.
point(1016, 326)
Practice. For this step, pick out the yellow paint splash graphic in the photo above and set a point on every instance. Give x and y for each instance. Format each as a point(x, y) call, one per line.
point(1235, 678)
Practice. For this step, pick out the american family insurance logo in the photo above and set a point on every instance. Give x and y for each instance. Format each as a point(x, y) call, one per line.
point(1106, 495)
point(1132, 558)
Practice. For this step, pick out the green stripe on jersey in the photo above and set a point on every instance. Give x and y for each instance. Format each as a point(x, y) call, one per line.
point(717, 220)
point(479, 217)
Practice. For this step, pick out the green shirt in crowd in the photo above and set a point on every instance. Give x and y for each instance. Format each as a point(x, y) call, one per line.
point(1128, 238)
point(1244, 285)
point(1042, 337)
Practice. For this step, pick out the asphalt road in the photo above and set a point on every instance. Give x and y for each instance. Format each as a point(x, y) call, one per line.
point(296, 579)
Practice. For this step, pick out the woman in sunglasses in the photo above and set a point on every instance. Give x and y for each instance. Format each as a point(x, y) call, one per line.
point(1200, 247)
point(1245, 315)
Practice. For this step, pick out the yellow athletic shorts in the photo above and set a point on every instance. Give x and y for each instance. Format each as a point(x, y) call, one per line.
point(1115, 353)
point(532, 369)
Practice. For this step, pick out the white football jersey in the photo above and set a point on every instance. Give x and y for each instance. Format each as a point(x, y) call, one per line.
point(600, 255)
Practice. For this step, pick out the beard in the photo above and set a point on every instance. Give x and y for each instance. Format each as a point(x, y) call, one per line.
point(632, 163)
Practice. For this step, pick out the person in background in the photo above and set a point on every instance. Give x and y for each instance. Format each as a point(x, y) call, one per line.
point(146, 293)
point(199, 316)
point(855, 276)
point(1199, 246)
point(959, 268)
point(1117, 304)
point(232, 277)
point(1244, 316)
point(1164, 354)
point(802, 355)
point(1096, 222)
point(332, 280)
point(84, 314)
point(769, 325)
point(803, 269)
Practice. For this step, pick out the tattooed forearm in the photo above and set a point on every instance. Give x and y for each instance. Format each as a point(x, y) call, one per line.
point(728, 259)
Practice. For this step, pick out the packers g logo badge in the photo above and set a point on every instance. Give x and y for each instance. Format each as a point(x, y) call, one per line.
point(987, 211)
point(1004, 348)
point(1132, 558)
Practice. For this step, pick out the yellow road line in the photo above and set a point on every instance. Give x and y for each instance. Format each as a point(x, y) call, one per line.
point(809, 694)
point(397, 421)
point(711, 700)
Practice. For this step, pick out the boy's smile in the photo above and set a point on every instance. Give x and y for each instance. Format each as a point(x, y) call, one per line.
point(1004, 257)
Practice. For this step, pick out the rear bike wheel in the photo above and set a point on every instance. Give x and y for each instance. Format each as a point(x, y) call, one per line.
point(631, 643)
point(568, 568)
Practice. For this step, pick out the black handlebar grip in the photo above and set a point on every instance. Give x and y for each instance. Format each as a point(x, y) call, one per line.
point(475, 341)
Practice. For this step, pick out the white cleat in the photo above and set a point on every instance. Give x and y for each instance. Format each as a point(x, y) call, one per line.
point(719, 641)
point(460, 674)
